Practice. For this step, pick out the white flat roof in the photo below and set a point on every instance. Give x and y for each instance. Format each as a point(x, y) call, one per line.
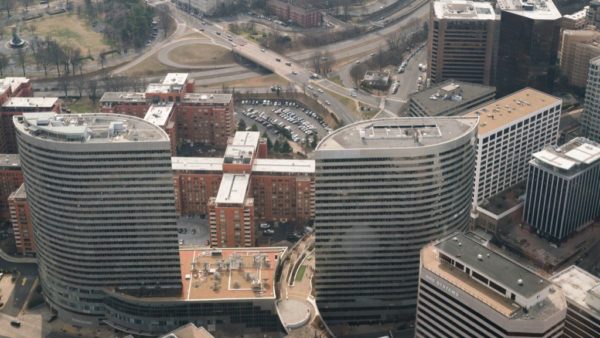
point(233, 189)
point(175, 79)
point(158, 114)
point(533, 9)
point(464, 10)
point(246, 138)
point(585, 153)
point(158, 88)
point(283, 166)
point(197, 163)
point(13, 82)
point(554, 159)
point(30, 102)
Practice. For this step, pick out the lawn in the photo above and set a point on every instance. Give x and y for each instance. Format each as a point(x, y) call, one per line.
point(300, 273)
point(67, 30)
point(83, 105)
point(150, 66)
point(201, 55)
point(258, 82)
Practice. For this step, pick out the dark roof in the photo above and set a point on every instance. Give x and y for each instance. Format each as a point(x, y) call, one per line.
point(434, 107)
point(495, 266)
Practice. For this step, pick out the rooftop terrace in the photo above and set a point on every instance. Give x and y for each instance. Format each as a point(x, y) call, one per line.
point(394, 133)
point(229, 273)
point(207, 98)
point(88, 128)
point(516, 106)
point(8, 161)
point(128, 97)
point(158, 114)
point(242, 148)
point(448, 95)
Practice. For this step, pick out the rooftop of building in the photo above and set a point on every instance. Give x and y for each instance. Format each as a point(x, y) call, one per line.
point(207, 98)
point(229, 273)
point(580, 14)
point(505, 200)
point(197, 163)
point(30, 102)
point(242, 147)
point(399, 132)
point(462, 9)
point(449, 95)
point(233, 189)
point(571, 157)
point(12, 82)
point(20, 193)
point(495, 266)
point(532, 9)
point(264, 165)
point(160, 88)
point(158, 114)
point(501, 113)
point(125, 97)
point(189, 330)
point(8, 161)
point(545, 308)
point(88, 128)
point(175, 79)
point(580, 287)
point(595, 61)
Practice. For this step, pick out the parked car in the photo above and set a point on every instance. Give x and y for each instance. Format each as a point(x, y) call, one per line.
point(268, 232)
point(265, 225)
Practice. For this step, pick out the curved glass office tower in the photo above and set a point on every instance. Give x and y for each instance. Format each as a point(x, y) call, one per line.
point(101, 196)
point(384, 189)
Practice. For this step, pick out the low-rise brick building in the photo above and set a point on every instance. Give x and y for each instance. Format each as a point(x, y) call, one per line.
point(11, 179)
point(20, 218)
point(297, 12)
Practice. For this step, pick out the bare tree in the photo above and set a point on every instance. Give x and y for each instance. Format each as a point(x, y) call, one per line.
point(7, 5)
point(102, 58)
point(27, 3)
point(91, 87)
point(380, 57)
point(357, 72)
point(316, 61)
point(21, 56)
point(3, 63)
point(64, 82)
point(327, 61)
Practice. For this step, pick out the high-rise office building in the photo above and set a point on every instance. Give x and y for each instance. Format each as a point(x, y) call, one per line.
point(100, 190)
point(563, 189)
point(582, 290)
point(590, 119)
point(593, 13)
point(578, 47)
point(385, 188)
point(510, 130)
point(463, 40)
point(468, 290)
point(529, 37)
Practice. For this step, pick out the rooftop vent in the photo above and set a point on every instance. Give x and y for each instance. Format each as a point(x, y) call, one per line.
point(480, 257)
point(520, 281)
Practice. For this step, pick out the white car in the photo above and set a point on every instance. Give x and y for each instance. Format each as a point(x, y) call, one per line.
point(265, 225)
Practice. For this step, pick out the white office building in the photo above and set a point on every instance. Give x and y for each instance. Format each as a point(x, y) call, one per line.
point(511, 129)
point(590, 119)
point(100, 190)
point(469, 290)
point(582, 290)
point(385, 188)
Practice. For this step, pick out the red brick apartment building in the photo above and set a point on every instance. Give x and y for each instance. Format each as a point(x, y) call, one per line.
point(296, 12)
point(11, 179)
point(21, 221)
point(194, 118)
point(16, 99)
point(275, 190)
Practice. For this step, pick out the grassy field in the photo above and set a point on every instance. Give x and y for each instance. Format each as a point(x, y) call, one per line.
point(67, 30)
point(150, 66)
point(83, 105)
point(300, 273)
point(201, 55)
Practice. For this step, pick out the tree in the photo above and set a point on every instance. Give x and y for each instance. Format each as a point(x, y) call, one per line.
point(357, 73)
point(327, 61)
point(241, 125)
point(102, 58)
point(164, 18)
point(7, 5)
point(254, 127)
point(27, 3)
point(269, 143)
point(21, 59)
point(285, 147)
point(316, 61)
point(91, 87)
point(64, 81)
point(277, 146)
point(3, 63)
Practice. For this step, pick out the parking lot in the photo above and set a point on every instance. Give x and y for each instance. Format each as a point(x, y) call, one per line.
point(283, 118)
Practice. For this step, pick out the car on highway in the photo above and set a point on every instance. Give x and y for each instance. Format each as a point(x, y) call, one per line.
point(218, 33)
point(294, 72)
point(15, 323)
point(278, 60)
point(288, 64)
point(327, 103)
point(353, 94)
point(320, 90)
point(262, 50)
